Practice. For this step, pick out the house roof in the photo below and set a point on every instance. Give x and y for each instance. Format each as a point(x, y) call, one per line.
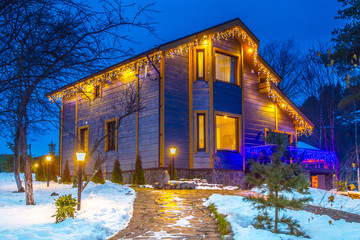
point(167, 46)
point(231, 29)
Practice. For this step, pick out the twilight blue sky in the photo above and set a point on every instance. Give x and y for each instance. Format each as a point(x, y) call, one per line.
point(305, 21)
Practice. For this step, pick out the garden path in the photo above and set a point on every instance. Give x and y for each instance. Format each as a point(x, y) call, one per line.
point(180, 214)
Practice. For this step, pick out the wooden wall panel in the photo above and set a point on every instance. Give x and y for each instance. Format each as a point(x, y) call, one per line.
point(177, 109)
point(95, 112)
point(259, 111)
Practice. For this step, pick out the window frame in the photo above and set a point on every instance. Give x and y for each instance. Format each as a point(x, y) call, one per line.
point(80, 129)
point(237, 132)
point(197, 64)
point(196, 131)
point(100, 91)
point(237, 67)
point(266, 130)
point(115, 135)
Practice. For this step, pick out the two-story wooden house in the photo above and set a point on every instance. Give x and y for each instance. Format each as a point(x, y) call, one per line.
point(210, 95)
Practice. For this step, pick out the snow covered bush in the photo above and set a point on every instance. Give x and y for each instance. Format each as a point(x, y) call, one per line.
point(65, 208)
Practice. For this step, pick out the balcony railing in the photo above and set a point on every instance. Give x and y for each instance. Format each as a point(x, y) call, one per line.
point(309, 158)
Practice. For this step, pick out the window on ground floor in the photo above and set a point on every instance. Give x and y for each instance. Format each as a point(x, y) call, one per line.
point(227, 133)
point(110, 131)
point(201, 132)
point(84, 138)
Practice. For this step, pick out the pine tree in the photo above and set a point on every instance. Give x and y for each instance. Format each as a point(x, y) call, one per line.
point(98, 177)
point(138, 176)
point(53, 163)
point(275, 179)
point(40, 172)
point(117, 176)
point(66, 177)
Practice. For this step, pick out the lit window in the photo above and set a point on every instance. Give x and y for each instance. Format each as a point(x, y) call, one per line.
point(225, 68)
point(227, 133)
point(97, 91)
point(111, 138)
point(84, 139)
point(201, 131)
point(200, 64)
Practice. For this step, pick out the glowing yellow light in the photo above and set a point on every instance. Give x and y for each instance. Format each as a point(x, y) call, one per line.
point(36, 165)
point(80, 155)
point(283, 105)
point(48, 158)
point(250, 50)
point(172, 151)
point(205, 42)
point(225, 116)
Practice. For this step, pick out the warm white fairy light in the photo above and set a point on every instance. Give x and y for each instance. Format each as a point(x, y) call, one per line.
point(235, 32)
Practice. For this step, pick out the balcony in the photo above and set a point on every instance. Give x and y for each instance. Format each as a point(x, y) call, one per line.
point(311, 159)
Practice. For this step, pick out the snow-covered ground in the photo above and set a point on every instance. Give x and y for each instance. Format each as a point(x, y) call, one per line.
point(240, 214)
point(321, 198)
point(105, 209)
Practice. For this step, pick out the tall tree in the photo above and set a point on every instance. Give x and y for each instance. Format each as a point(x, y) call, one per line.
point(285, 58)
point(347, 60)
point(44, 44)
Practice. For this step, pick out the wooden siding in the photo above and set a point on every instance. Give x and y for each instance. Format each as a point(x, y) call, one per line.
point(227, 98)
point(177, 109)
point(95, 112)
point(259, 111)
point(201, 102)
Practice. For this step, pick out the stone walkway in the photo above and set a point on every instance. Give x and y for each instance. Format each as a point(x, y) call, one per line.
point(172, 214)
point(180, 214)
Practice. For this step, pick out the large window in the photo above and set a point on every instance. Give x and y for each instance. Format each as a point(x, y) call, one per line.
point(227, 134)
point(110, 143)
point(201, 132)
point(225, 67)
point(200, 64)
point(84, 138)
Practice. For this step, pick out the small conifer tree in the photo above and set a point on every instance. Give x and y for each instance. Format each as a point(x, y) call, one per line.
point(138, 176)
point(98, 177)
point(66, 177)
point(274, 180)
point(84, 176)
point(40, 172)
point(117, 176)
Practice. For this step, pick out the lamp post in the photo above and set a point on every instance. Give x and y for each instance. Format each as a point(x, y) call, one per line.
point(48, 159)
point(172, 154)
point(80, 155)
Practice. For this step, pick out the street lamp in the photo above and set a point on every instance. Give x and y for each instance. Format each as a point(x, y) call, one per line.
point(80, 155)
point(48, 159)
point(172, 154)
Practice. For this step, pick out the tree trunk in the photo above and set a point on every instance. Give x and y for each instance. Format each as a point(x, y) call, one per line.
point(20, 188)
point(276, 216)
point(356, 148)
point(27, 167)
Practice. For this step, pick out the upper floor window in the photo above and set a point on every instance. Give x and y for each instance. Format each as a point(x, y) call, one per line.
point(110, 131)
point(225, 67)
point(227, 133)
point(200, 64)
point(97, 91)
